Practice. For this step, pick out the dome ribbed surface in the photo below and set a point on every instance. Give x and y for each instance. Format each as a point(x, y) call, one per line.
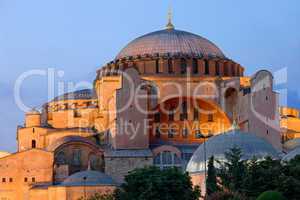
point(80, 94)
point(88, 178)
point(292, 144)
point(172, 42)
point(216, 146)
point(291, 155)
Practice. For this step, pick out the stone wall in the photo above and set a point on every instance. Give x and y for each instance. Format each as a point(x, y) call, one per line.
point(118, 166)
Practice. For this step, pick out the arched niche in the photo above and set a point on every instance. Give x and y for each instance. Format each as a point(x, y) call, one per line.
point(74, 153)
point(186, 118)
point(231, 97)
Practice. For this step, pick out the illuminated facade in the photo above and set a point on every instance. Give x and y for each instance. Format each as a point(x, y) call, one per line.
point(154, 104)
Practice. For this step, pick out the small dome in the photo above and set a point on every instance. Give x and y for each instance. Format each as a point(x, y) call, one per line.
point(172, 42)
point(217, 146)
point(88, 178)
point(291, 155)
point(291, 144)
point(80, 94)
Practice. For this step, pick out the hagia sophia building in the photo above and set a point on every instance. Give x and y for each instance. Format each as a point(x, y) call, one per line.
point(164, 96)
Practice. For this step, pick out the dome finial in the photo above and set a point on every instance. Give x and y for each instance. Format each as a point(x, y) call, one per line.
point(170, 25)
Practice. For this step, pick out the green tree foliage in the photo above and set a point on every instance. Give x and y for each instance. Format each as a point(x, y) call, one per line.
point(271, 195)
point(259, 176)
point(226, 195)
point(253, 177)
point(155, 184)
point(233, 170)
point(211, 180)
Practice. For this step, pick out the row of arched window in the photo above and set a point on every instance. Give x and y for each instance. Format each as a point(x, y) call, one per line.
point(183, 114)
point(195, 68)
point(184, 133)
point(167, 159)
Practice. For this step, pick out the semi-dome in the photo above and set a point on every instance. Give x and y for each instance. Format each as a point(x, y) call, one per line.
point(217, 146)
point(88, 178)
point(171, 42)
point(68, 139)
point(291, 155)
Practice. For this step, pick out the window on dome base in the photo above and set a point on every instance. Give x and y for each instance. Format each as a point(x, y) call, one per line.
point(206, 65)
point(183, 66)
point(195, 66)
point(157, 66)
point(217, 68)
point(170, 66)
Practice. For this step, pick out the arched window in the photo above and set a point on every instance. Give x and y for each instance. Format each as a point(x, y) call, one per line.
point(196, 114)
point(60, 158)
point(184, 107)
point(217, 68)
point(167, 159)
point(171, 133)
point(195, 66)
point(185, 132)
point(157, 132)
point(226, 73)
point(184, 113)
point(210, 118)
point(183, 66)
point(76, 157)
point(94, 162)
point(157, 66)
point(171, 115)
point(33, 144)
point(233, 71)
point(170, 66)
point(206, 67)
point(157, 117)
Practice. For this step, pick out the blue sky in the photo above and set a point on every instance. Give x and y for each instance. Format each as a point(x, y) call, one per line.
point(79, 36)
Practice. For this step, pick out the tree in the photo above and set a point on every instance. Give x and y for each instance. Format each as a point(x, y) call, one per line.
point(271, 195)
point(152, 183)
point(211, 180)
point(232, 170)
point(226, 195)
point(259, 176)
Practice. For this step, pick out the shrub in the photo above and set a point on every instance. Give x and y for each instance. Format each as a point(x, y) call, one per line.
point(271, 195)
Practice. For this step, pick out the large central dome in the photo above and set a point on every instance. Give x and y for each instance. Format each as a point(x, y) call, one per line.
point(172, 42)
